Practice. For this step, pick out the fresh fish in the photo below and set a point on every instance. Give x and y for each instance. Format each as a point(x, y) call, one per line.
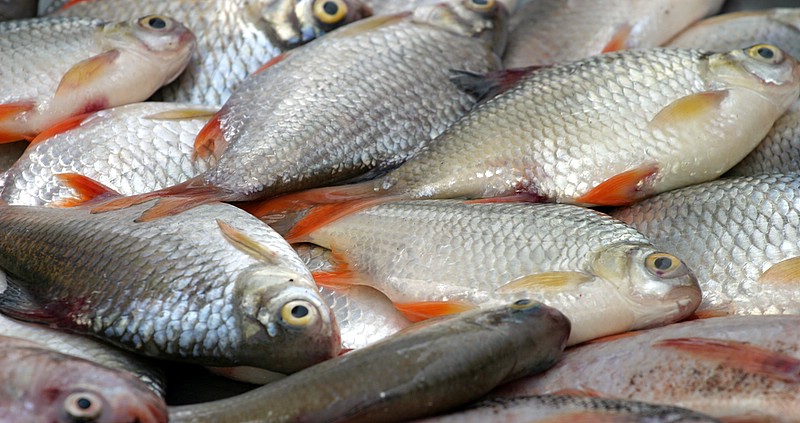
point(740, 235)
point(778, 152)
point(131, 149)
point(729, 367)
point(445, 256)
point(566, 409)
point(68, 66)
point(41, 385)
point(234, 37)
point(213, 286)
point(423, 370)
point(574, 133)
point(17, 9)
point(546, 32)
point(378, 93)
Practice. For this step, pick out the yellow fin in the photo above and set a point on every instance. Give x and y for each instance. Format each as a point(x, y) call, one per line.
point(369, 24)
point(183, 114)
point(787, 271)
point(86, 71)
point(246, 244)
point(695, 107)
point(547, 281)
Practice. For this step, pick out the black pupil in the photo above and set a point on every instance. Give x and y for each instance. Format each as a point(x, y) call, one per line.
point(84, 404)
point(299, 311)
point(766, 53)
point(157, 23)
point(663, 263)
point(522, 302)
point(330, 7)
point(481, 2)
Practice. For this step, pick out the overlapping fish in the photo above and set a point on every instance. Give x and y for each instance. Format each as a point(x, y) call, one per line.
point(741, 236)
point(213, 286)
point(235, 37)
point(69, 66)
point(421, 371)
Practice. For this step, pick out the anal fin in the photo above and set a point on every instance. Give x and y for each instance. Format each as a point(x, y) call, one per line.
point(622, 189)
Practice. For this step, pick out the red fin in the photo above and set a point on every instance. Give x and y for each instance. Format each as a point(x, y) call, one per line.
point(172, 200)
point(11, 111)
point(740, 355)
point(71, 3)
point(61, 127)
point(83, 73)
point(87, 189)
point(322, 215)
point(520, 197)
point(271, 62)
point(302, 200)
point(620, 190)
point(341, 276)
point(708, 314)
point(170, 206)
point(488, 85)
point(619, 40)
point(210, 140)
point(417, 312)
point(583, 392)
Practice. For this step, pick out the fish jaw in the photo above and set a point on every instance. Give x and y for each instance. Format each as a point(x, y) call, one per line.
point(489, 24)
point(286, 327)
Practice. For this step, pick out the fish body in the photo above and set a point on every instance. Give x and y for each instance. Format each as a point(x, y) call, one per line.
point(738, 366)
point(234, 37)
point(213, 286)
point(563, 408)
point(598, 272)
point(41, 385)
point(547, 32)
point(778, 152)
point(740, 235)
point(131, 149)
point(432, 367)
point(17, 9)
point(69, 66)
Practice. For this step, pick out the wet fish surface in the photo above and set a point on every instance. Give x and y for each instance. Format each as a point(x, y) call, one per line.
point(440, 364)
point(235, 37)
point(83, 65)
point(213, 286)
point(740, 236)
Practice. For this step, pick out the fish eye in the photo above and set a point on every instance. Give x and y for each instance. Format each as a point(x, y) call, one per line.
point(298, 313)
point(154, 22)
point(766, 52)
point(83, 406)
point(523, 304)
point(480, 5)
point(330, 11)
point(665, 265)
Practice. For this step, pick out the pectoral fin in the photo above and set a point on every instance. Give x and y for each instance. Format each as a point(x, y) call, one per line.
point(86, 72)
point(622, 189)
point(419, 311)
point(784, 272)
point(698, 108)
point(550, 281)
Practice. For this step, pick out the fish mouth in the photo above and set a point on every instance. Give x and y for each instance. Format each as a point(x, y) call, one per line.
point(678, 304)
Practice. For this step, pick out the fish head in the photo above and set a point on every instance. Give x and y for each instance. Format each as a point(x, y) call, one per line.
point(657, 287)
point(763, 68)
point(154, 39)
point(286, 325)
point(291, 23)
point(484, 19)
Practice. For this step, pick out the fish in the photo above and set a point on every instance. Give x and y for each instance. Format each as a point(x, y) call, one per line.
point(17, 9)
point(131, 149)
point(566, 408)
point(605, 131)
point(213, 286)
point(379, 92)
point(83, 65)
point(740, 236)
point(234, 37)
point(433, 257)
point(424, 369)
point(727, 367)
point(388, 7)
point(547, 32)
point(41, 385)
point(778, 152)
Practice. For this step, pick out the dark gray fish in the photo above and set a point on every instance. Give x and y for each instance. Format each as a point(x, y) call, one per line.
point(17, 9)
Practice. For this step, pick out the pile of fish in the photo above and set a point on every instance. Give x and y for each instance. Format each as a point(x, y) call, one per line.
point(456, 210)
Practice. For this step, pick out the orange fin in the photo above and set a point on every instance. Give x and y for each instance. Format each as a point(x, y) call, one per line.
point(740, 355)
point(697, 107)
point(71, 3)
point(86, 71)
point(61, 127)
point(172, 200)
point(709, 313)
point(417, 312)
point(210, 140)
point(87, 188)
point(580, 392)
point(325, 214)
point(248, 245)
point(271, 62)
point(339, 277)
point(9, 112)
point(620, 190)
point(619, 41)
point(783, 272)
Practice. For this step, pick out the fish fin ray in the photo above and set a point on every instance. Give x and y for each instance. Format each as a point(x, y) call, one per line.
point(619, 41)
point(210, 141)
point(691, 108)
point(423, 310)
point(341, 276)
point(10, 112)
point(183, 114)
point(324, 214)
point(189, 192)
point(246, 244)
point(520, 197)
point(65, 125)
point(172, 205)
point(548, 281)
point(783, 272)
point(622, 189)
point(271, 62)
point(87, 189)
point(85, 72)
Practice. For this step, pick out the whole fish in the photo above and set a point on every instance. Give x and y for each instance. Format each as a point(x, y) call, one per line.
point(546, 32)
point(213, 286)
point(131, 149)
point(17, 9)
point(234, 37)
point(444, 256)
point(563, 408)
point(378, 93)
point(728, 367)
point(741, 236)
point(422, 370)
point(41, 385)
point(68, 66)
point(608, 130)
